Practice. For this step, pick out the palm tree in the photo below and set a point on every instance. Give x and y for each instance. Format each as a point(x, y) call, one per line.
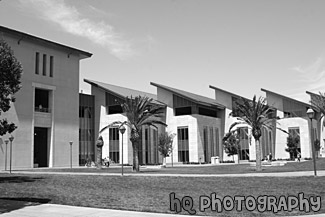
point(318, 101)
point(256, 114)
point(140, 111)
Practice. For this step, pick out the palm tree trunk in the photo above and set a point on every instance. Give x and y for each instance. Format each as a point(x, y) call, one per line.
point(258, 155)
point(135, 167)
point(99, 145)
point(99, 157)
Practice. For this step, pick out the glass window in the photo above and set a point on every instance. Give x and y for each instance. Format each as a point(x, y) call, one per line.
point(37, 63)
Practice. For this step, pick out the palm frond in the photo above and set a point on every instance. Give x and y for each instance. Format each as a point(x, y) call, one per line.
point(114, 124)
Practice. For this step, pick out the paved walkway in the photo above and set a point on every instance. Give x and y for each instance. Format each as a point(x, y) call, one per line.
point(278, 174)
point(54, 210)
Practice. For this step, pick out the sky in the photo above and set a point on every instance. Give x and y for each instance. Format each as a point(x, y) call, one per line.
point(237, 45)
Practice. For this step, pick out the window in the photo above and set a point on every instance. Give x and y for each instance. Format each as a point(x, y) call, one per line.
point(114, 147)
point(44, 64)
point(37, 63)
point(243, 143)
point(243, 133)
point(183, 145)
point(205, 145)
point(147, 146)
point(42, 100)
point(208, 112)
point(183, 111)
point(217, 143)
point(85, 112)
point(114, 109)
point(51, 66)
point(212, 144)
point(155, 145)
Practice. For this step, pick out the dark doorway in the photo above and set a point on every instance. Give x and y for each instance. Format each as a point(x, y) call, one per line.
point(40, 147)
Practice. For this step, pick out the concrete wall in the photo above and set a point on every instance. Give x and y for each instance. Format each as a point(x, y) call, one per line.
point(225, 99)
point(64, 101)
point(102, 120)
point(281, 137)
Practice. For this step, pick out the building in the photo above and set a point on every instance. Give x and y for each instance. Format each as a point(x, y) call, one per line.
point(292, 118)
point(107, 104)
point(196, 121)
point(247, 143)
point(86, 128)
point(46, 107)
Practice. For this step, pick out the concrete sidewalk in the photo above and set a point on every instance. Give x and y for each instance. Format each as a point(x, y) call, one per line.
point(279, 174)
point(54, 210)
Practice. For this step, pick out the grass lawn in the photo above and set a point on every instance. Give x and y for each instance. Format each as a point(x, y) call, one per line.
point(152, 193)
point(213, 169)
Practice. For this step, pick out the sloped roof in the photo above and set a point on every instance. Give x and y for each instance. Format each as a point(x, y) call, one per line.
point(122, 91)
point(23, 36)
point(285, 97)
point(231, 94)
point(190, 96)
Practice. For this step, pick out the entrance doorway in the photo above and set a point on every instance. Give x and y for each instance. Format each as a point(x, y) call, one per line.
point(40, 147)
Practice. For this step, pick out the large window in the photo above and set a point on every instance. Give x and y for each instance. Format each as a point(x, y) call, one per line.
point(243, 143)
point(147, 145)
point(41, 100)
point(113, 104)
point(114, 147)
point(85, 112)
point(208, 112)
point(205, 144)
point(183, 111)
point(155, 145)
point(217, 152)
point(183, 146)
point(86, 129)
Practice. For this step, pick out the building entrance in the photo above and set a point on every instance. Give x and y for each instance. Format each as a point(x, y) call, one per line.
point(40, 147)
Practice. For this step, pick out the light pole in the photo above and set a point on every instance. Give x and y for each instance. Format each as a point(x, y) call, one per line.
point(70, 153)
point(122, 131)
point(6, 141)
point(310, 114)
point(11, 138)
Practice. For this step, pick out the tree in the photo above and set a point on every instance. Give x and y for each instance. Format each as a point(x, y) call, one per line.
point(231, 143)
point(140, 111)
point(165, 145)
point(292, 146)
point(10, 74)
point(257, 114)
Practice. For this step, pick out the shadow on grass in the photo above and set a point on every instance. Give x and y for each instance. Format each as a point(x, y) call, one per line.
point(8, 204)
point(18, 179)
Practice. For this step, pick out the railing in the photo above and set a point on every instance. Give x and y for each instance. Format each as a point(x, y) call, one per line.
point(41, 109)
